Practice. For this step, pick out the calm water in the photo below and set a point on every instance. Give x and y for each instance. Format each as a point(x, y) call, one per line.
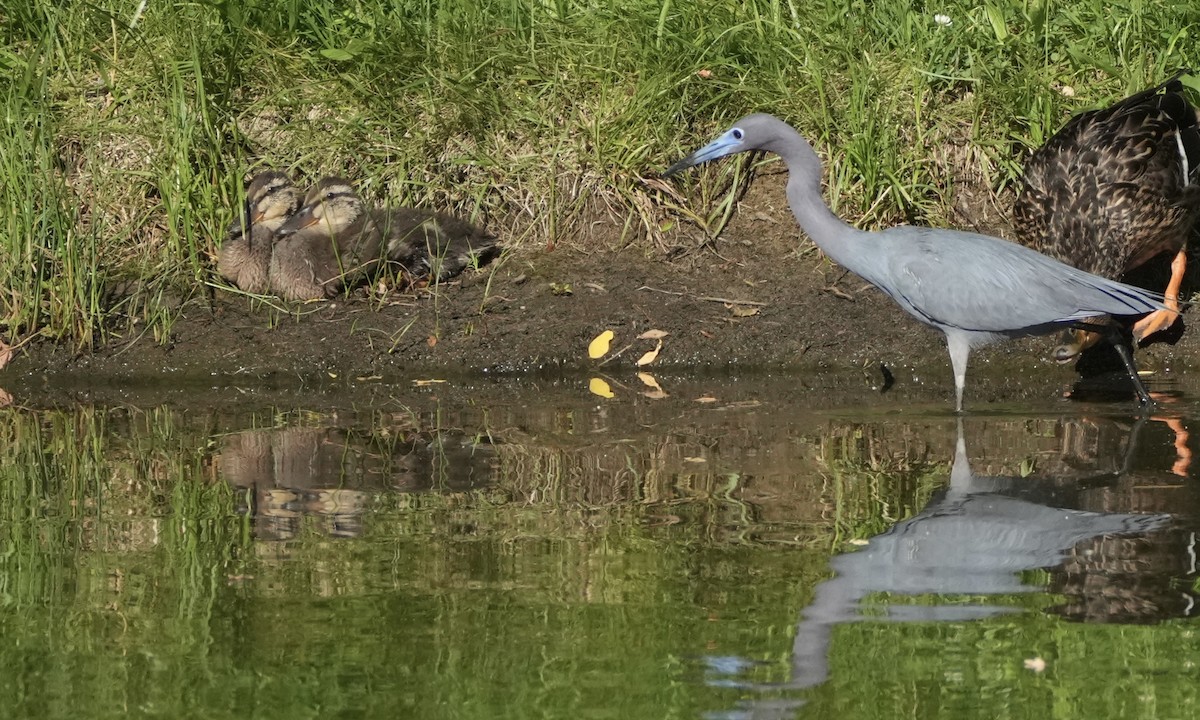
point(718, 548)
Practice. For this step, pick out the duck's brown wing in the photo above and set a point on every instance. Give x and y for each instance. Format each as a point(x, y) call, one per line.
point(1115, 186)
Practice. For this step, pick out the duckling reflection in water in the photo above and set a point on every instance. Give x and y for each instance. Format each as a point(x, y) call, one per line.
point(334, 241)
point(245, 257)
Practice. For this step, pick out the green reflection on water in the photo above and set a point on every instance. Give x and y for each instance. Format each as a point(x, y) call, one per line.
point(570, 560)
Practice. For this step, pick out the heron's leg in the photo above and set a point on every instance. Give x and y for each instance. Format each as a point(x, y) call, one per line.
point(959, 349)
point(1163, 319)
point(1118, 344)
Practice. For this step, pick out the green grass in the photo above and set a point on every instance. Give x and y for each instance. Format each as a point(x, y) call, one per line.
point(128, 130)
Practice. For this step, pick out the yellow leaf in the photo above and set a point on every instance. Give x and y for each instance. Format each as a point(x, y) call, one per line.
point(653, 335)
point(598, 348)
point(694, 460)
point(599, 387)
point(741, 311)
point(650, 356)
point(332, 375)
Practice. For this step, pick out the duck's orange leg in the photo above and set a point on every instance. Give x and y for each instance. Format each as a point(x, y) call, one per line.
point(1183, 455)
point(1163, 319)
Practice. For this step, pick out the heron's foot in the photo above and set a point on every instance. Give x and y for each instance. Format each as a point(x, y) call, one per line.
point(1156, 321)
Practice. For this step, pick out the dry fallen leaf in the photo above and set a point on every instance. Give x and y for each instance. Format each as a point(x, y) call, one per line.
point(423, 383)
point(704, 74)
point(743, 311)
point(653, 335)
point(431, 340)
point(694, 459)
point(332, 375)
point(706, 399)
point(649, 381)
point(6, 353)
point(655, 392)
point(598, 348)
point(366, 378)
point(5, 399)
point(650, 356)
point(599, 387)
point(1035, 664)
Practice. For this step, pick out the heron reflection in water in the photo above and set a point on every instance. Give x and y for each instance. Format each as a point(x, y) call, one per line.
point(974, 538)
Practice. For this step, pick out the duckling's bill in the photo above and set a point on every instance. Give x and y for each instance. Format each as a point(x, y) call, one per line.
point(303, 219)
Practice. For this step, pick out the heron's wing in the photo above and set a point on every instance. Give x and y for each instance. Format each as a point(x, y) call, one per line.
point(980, 283)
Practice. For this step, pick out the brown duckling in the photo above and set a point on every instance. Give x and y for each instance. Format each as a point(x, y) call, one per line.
point(245, 257)
point(425, 243)
point(1114, 188)
point(434, 246)
point(329, 244)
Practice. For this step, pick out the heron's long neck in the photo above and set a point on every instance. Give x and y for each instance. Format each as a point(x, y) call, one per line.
point(825, 228)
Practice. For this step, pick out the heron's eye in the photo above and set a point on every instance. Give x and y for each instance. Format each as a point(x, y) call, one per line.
point(738, 134)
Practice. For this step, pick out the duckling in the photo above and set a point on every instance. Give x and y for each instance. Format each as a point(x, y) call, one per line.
point(434, 246)
point(245, 257)
point(1114, 188)
point(329, 244)
point(425, 243)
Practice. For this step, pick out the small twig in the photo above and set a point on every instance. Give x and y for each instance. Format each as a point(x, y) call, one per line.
point(728, 301)
point(706, 298)
point(664, 292)
point(615, 355)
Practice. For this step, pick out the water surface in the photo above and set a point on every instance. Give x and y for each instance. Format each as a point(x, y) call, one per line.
point(716, 548)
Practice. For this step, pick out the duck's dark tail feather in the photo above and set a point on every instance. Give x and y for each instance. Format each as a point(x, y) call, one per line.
point(1175, 105)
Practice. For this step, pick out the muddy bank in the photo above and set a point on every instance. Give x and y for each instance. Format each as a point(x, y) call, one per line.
point(760, 297)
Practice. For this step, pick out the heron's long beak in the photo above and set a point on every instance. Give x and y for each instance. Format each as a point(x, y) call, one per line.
point(297, 222)
point(727, 144)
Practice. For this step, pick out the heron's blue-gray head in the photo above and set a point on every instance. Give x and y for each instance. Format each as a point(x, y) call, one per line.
point(733, 141)
point(753, 132)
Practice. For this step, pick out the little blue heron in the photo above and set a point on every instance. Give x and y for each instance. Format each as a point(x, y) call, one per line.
point(1114, 188)
point(975, 288)
point(245, 256)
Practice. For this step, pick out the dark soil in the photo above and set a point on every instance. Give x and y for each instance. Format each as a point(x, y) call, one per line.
point(760, 297)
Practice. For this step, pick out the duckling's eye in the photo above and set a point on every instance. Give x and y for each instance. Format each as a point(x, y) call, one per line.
point(738, 134)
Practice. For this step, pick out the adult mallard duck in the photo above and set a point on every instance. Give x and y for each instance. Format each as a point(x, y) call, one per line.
point(335, 240)
point(245, 257)
point(1114, 188)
